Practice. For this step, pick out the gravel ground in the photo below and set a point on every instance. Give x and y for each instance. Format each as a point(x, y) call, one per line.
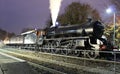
point(70, 65)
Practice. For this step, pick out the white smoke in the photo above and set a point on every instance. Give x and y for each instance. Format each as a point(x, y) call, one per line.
point(54, 9)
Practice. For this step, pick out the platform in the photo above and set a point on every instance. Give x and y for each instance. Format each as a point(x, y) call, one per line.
point(13, 65)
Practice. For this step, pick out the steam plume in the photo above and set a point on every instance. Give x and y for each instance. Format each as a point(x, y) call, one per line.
point(54, 9)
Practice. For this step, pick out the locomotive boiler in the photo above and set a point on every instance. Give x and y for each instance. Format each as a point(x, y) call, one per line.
point(95, 29)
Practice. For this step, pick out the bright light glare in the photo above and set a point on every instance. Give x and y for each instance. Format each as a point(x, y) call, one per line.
point(109, 10)
point(57, 23)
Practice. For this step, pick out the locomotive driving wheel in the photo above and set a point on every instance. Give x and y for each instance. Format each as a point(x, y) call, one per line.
point(92, 54)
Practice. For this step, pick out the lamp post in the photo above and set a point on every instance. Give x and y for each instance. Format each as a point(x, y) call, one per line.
point(114, 22)
point(109, 10)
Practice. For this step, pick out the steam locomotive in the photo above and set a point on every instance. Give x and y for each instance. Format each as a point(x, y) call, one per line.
point(72, 39)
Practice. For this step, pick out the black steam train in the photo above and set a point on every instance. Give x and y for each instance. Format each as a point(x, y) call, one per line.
point(73, 39)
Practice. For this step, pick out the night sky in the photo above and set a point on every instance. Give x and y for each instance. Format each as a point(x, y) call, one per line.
point(18, 14)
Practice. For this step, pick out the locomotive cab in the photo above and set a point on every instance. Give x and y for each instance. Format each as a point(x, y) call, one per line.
point(40, 36)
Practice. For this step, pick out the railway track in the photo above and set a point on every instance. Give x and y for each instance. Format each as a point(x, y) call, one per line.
point(35, 65)
point(91, 54)
point(67, 64)
point(44, 70)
